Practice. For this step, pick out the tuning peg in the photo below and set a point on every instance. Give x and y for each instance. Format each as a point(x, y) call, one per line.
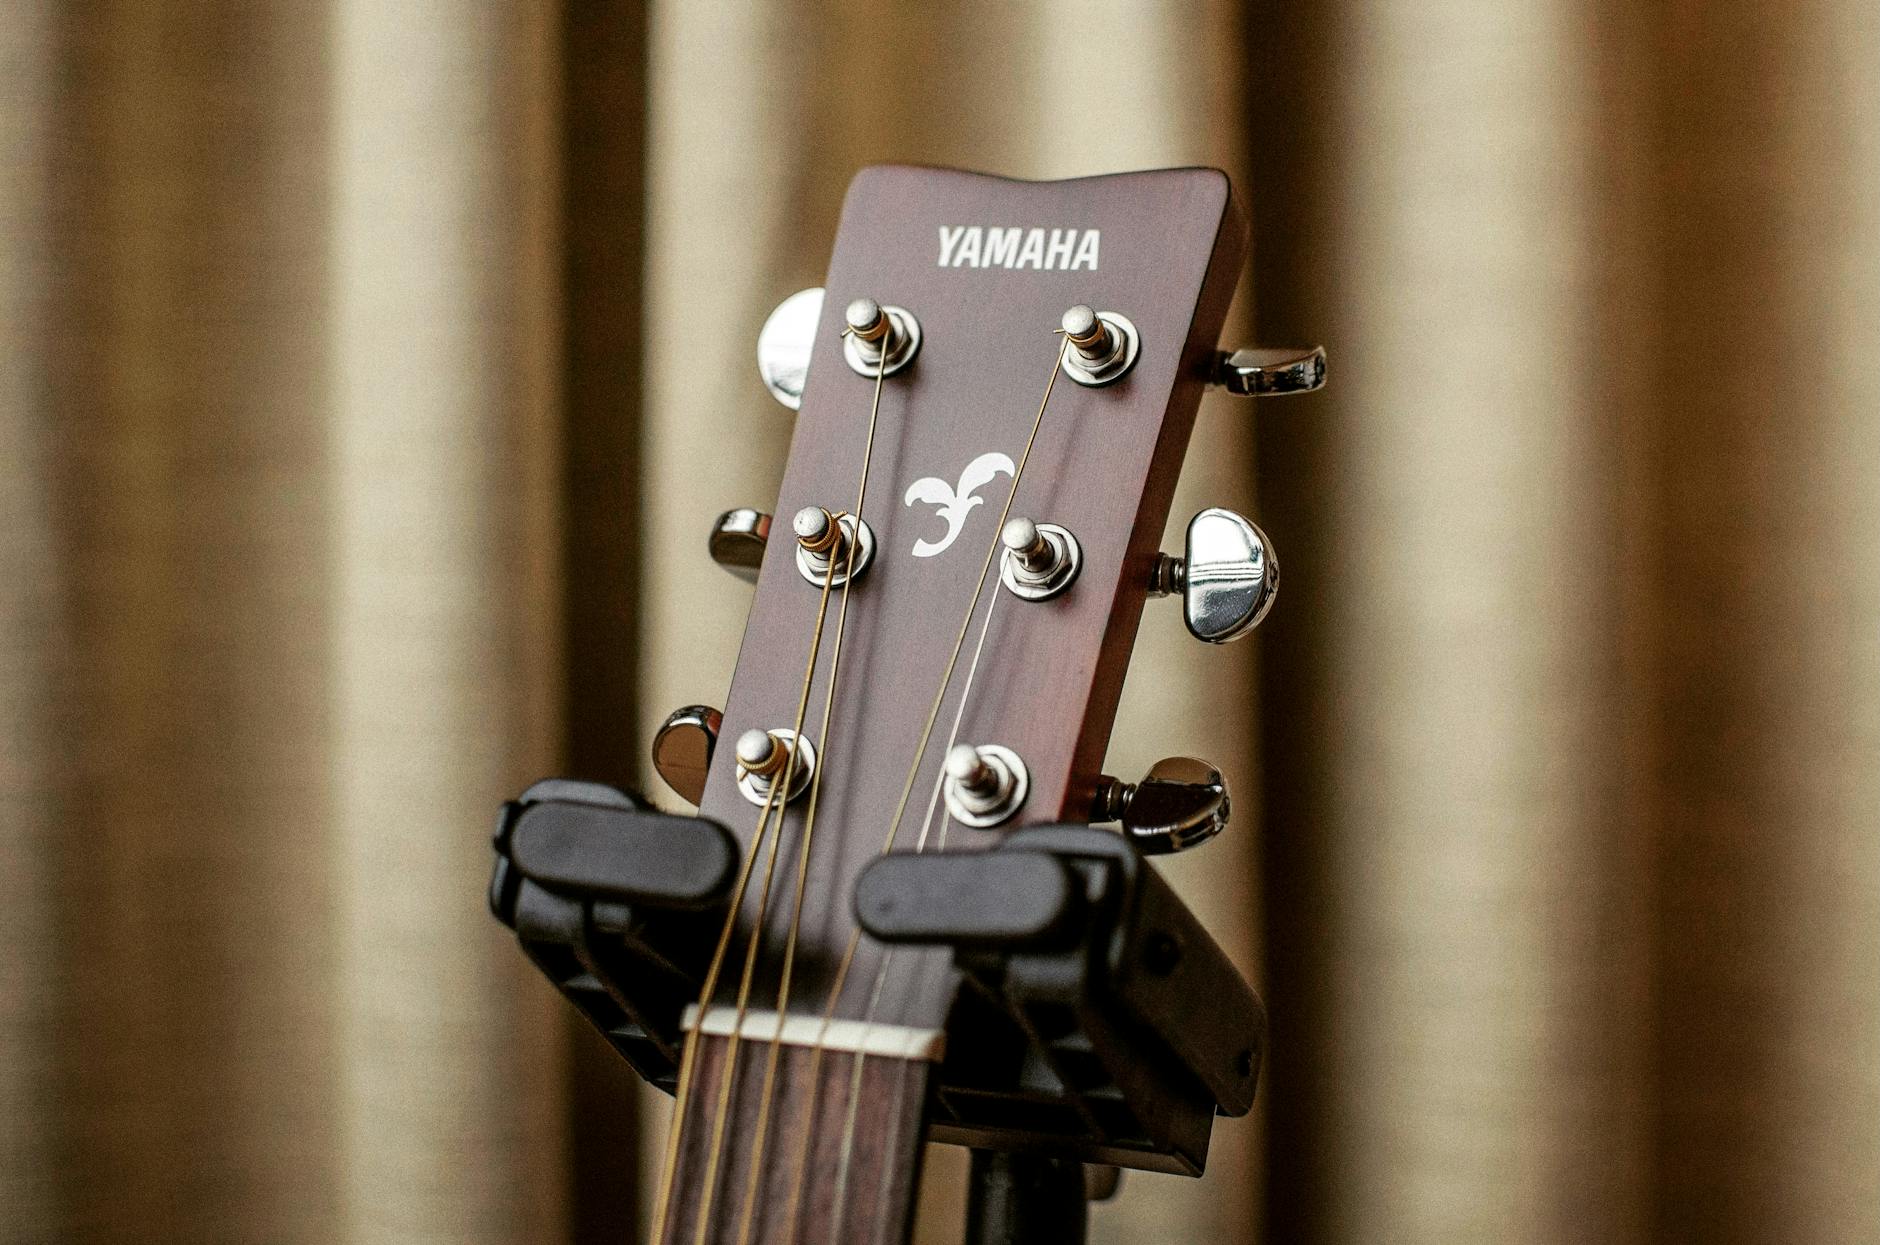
point(784, 345)
point(682, 749)
point(737, 542)
point(1257, 372)
point(1227, 579)
point(1180, 802)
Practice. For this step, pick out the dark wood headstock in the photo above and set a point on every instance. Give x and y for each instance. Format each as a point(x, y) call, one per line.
point(1104, 465)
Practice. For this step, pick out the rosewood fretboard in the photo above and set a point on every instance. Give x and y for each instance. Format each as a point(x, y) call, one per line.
point(834, 1167)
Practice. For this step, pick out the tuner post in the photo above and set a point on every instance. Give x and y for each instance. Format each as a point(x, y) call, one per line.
point(1040, 560)
point(816, 529)
point(1100, 346)
point(868, 322)
point(879, 340)
point(765, 756)
point(1090, 335)
point(984, 785)
point(823, 543)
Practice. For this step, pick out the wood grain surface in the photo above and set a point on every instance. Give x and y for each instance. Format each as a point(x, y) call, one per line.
point(1104, 465)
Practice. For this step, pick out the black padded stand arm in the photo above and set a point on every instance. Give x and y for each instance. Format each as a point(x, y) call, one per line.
point(1097, 1018)
point(618, 904)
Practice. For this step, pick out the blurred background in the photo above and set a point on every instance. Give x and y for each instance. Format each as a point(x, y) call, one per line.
point(369, 372)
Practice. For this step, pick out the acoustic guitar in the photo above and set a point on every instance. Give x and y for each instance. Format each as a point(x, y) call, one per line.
point(911, 907)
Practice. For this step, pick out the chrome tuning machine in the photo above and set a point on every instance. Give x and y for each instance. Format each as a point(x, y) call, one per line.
point(683, 747)
point(823, 546)
point(1265, 372)
point(1040, 560)
point(785, 343)
point(1179, 803)
point(766, 757)
point(737, 541)
point(1227, 577)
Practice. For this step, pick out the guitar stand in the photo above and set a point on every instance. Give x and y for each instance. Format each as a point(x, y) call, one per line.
point(1014, 1198)
point(1097, 1022)
point(619, 905)
point(1096, 1018)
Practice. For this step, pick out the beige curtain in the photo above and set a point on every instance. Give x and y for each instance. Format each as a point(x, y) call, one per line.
point(1572, 731)
point(357, 436)
point(279, 619)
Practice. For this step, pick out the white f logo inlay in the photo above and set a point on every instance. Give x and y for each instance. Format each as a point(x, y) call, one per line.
point(955, 503)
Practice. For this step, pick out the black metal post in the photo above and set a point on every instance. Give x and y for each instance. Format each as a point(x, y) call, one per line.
point(1025, 1199)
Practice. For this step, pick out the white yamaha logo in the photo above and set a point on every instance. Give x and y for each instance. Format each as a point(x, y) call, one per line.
point(954, 504)
point(994, 246)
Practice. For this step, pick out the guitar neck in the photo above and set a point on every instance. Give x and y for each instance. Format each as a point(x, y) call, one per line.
point(824, 1151)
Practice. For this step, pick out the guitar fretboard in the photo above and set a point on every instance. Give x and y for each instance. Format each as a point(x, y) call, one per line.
point(836, 1150)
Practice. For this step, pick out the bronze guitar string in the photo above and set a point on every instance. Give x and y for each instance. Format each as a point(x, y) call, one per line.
point(728, 1073)
point(920, 845)
point(687, 1059)
point(894, 826)
point(663, 1204)
point(782, 784)
point(809, 831)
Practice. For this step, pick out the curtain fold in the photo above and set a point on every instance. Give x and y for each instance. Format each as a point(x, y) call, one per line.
point(279, 618)
point(168, 819)
point(1570, 722)
point(1459, 964)
point(1765, 540)
point(442, 271)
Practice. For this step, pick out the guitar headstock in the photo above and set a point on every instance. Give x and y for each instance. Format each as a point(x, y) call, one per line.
point(979, 273)
point(996, 393)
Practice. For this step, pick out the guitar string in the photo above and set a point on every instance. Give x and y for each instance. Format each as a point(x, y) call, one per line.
point(849, 955)
point(809, 832)
point(883, 1193)
point(882, 1200)
point(814, 1079)
point(920, 846)
point(662, 1205)
point(728, 1074)
point(907, 789)
point(688, 1058)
